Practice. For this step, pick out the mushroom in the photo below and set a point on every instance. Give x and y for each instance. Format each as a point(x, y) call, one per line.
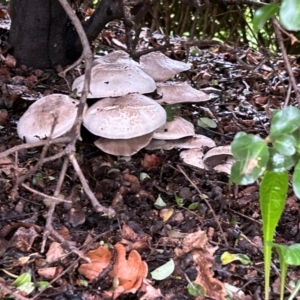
point(191, 142)
point(174, 93)
point(193, 157)
point(176, 129)
point(160, 67)
point(217, 155)
point(124, 118)
point(114, 80)
point(37, 122)
point(123, 147)
point(117, 56)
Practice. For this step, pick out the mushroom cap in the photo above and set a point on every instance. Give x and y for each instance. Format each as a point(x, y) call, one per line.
point(173, 93)
point(124, 147)
point(160, 67)
point(217, 155)
point(226, 166)
point(124, 117)
point(176, 129)
point(37, 121)
point(117, 56)
point(193, 157)
point(114, 80)
point(196, 141)
point(190, 142)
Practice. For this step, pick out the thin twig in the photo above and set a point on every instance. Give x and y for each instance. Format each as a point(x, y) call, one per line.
point(98, 207)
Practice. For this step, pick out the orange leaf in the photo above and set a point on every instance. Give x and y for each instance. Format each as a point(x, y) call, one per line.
point(130, 272)
point(100, 259)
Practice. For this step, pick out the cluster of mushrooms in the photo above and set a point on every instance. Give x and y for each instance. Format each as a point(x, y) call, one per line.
point(124, 118)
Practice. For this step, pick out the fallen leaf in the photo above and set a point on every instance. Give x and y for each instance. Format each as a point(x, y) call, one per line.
point(100, 259)
point(151, 161)
point(129, 272)
point(50, 273)
point(55, 252)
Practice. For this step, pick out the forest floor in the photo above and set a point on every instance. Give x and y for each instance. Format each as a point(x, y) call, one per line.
point(245, 87)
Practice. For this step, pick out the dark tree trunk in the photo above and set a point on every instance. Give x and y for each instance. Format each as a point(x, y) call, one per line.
point(41, 35)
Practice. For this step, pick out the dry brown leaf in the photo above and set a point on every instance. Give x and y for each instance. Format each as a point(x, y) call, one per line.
point(50, 273)
point(202, 253)
point(100, 259)
point(130, 272)
point(55, 252)
point(24, 238)
point(151, 293)
point(151, 161)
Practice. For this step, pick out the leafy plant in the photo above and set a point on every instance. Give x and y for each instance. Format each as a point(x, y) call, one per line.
point(288, 11)
point(271, 159)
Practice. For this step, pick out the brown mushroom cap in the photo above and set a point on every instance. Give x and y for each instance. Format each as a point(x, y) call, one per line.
point(173, 93)
point(114, 80)
point(124, 147)
point(176, 129)
point(37, 121)
point(124, 117)
point(160, 67)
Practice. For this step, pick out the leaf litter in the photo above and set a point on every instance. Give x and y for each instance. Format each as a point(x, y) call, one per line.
point(120, 253)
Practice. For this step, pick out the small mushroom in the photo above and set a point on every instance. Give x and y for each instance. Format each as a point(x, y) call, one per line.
point(160, 67)
point(176, 129)
point(193, 157)
point(37, 121)
point(114, 80)
point(191, 142)
point(174, 93)
point(217, 155)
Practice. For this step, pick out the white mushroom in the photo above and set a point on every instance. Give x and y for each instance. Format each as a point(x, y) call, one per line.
point(216, 156)
point(117, 56)
point(124, 147)
point(193, 157)
point(176, 129)
point(124, 117)
point(191, 142)
point(160, 67)
point(37, 121)
point(173, 93)
point(114, 80)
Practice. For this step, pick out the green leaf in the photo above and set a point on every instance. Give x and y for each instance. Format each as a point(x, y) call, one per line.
point(160, 203)
point(251, 155)
point(280, 163)
point(296, 180)
point(206, 122)
point(227, 258)
point(195, 289)
point(292, 255)
point(169, 113)
point(289, 14)
point(285, 144)
point(263, 14)
point(179, 200)
point(163, 271)
point(23, 278)
point(272, 197)
point(284, 122)
point(42, 285)
point(193, 206)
